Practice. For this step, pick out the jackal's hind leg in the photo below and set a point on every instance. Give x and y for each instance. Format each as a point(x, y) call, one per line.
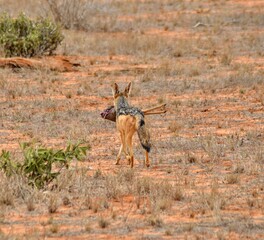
point(147, 162)
point(130, 157)
point(127, 155)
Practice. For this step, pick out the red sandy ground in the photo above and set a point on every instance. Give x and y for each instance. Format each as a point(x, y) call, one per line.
point(21, 222)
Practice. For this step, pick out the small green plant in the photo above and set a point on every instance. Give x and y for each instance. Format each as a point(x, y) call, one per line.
point(39, 162)
point(27, 38)
point(6, 164)
point(41, 165)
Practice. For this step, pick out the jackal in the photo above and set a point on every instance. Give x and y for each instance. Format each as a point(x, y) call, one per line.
point(129, 120)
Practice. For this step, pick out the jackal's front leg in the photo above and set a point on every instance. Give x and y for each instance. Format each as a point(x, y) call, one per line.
point(122, 148)
point(119, 154)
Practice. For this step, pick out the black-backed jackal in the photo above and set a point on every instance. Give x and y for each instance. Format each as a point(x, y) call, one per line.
point(128, 121)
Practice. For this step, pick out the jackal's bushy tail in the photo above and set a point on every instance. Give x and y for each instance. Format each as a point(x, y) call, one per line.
point(143, 133)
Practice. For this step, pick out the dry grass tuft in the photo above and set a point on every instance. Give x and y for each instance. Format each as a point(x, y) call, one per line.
point(53, 203)
point(175, 127)
point(54, 228)
point(232, 178)
point(177, 193)
point(226, 59)
point(155, 221)
point(208, 143)
point(103, 223)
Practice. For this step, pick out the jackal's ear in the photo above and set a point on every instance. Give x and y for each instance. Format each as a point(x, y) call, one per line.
point(128, 89)
point(115, 89)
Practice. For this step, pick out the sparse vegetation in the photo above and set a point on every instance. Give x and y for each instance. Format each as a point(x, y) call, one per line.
point(103, 223)
point(155, 221)
point(39, 162)
point(54, 228)
point(204, 59)
point(174, 127)
point(232, 178)
point(53, 203)
point(27, 38)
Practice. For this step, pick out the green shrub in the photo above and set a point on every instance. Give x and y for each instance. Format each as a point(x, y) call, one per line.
point(27, 38)
point(41, 165)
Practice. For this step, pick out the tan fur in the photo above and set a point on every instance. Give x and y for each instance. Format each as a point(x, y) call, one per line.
point(127, 125)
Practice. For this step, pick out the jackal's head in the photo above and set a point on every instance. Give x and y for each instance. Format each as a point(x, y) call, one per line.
point(121, 98)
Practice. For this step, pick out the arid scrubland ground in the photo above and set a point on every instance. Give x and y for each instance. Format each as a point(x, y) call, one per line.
point(205, 59)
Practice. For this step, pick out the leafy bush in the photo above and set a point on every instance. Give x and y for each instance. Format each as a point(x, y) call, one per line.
point(41, 165)
point(27, 38)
